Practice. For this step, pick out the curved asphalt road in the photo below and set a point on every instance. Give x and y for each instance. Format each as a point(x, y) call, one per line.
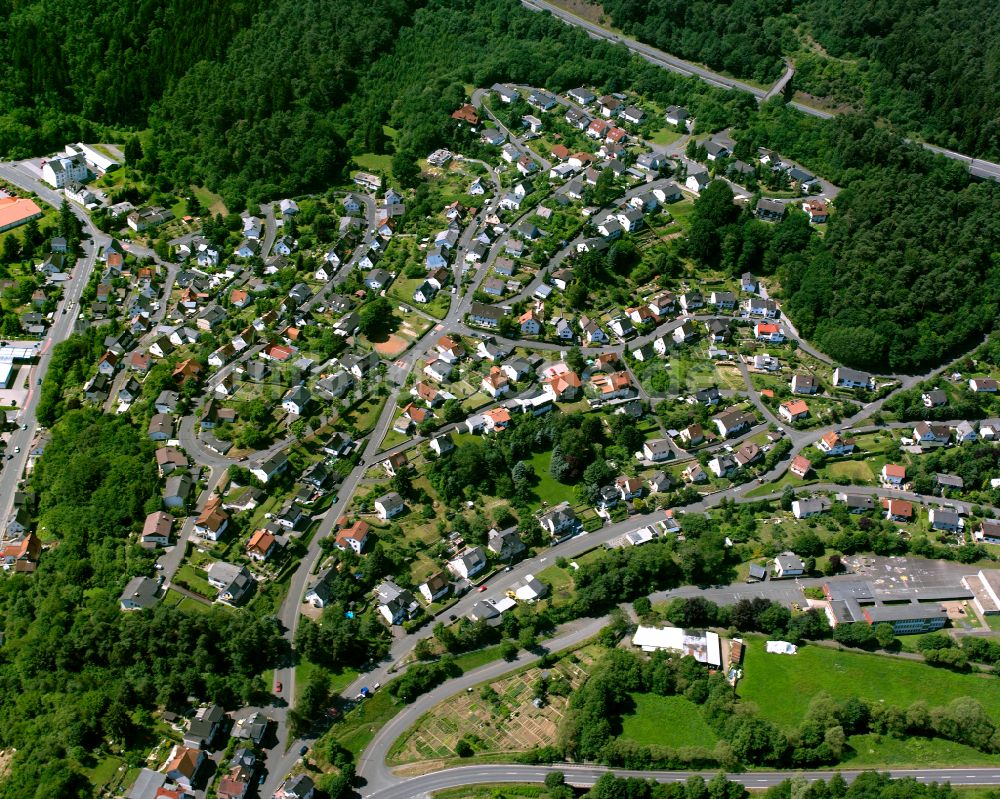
point(586, 776)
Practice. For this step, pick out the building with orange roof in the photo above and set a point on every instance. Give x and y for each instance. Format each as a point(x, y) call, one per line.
point(239, 298)
point(22, 556)
point(564, 387)
point(793, 409)
point(832, 444)
point(353, 537)
point(467, 113)
point(768, 331)
point(212, 522)
point(898, 510)
point(16, 211)
point(495, 383)
point(800, 466)
point(893, 475)
point(186, 370)
point(611, 386)
point(496, 419)
point(183, 765)
point(261, 545)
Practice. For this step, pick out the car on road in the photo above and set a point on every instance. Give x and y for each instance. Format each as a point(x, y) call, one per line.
point(303, 750)
point(17, 450)
point(481, 588)
point(158, 566)
point(39, 381)
point(24, 427)
point(278, 687)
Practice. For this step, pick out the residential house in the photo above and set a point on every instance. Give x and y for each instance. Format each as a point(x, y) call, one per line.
point(983, 385)
point(965, 433)
point(435, 587)
point(694, 474)
point(800, 467)
point(300, 786)
point(395, 604)
point(496, 419)
point(389, 506)
point(156, 530)
point(832, 444)
point(943, 519)
point(234, 582)
point(560, 521)
point(177, 489)
point(141, 593)
point(793, 410)
point(770, 210)
point(844, 377)
point(212, 522)
point(769, 332)
point(898, 510)
point(564, 386)
point(396, 463)
point(732, 422)
point(931, 435)
point(275, 465)
point(183, 765)
point(934, 398)
point(817, 211)
point(757, 306)
point(353, 538)
point(296, 400)
point(893, 475)
point(469, 563)
point(161, 427)
point(788, 564)
point(442, 444)
point(692, 435)
point(803, 384)
point(261, 546)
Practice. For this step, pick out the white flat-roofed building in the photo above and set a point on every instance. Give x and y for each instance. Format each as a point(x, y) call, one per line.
point(703, 645)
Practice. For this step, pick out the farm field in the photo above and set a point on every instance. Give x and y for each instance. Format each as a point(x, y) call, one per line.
point(876, 677)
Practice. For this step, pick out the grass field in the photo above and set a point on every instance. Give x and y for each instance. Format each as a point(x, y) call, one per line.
point(647, 725)
point(781, 685)
point(855, 470)
point(370, 162)
point(549, 489)
point(880, 750)
point(358, 727)
point(665, 136)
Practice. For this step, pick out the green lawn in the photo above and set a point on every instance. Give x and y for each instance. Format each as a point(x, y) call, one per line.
point(665, 136)
point(854, 470)
point(364, 415)
point(193, 579)
point(370, 162)
point(666, 721)
point(782, 685)
point(477, 658)
point(549, 489)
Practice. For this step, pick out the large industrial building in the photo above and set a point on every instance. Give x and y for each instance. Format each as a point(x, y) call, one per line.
point(16, 211)
point(910, 610)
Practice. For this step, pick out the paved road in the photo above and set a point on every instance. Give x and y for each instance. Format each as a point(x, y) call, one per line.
point(62, 327)
point(586, 776)
point(977, 166)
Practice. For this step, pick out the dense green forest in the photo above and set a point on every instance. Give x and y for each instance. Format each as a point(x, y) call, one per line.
point(69, 67)
point(743, 37)
point(931, 67)
point(76, 671)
